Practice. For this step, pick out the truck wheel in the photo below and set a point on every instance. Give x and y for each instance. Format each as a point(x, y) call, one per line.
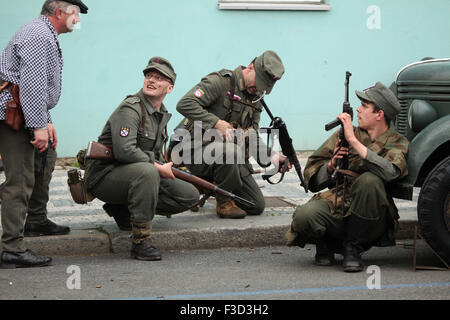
point(433, 208)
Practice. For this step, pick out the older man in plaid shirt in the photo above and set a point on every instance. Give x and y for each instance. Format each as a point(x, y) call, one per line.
point(33, 61)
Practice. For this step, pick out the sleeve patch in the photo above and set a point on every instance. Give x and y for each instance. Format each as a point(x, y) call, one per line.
point(124, 132)
point(199, 93)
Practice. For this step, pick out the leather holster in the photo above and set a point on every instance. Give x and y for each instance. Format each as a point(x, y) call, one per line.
point(14, 115)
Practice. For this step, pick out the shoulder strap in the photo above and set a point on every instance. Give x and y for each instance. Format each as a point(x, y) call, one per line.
point(144, 116)
point(231, 97)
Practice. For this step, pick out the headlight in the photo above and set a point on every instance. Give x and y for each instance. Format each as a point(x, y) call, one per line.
point(420, 115)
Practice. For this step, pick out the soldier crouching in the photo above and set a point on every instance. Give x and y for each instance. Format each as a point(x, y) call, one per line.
point(134, 186)
point(351, 218)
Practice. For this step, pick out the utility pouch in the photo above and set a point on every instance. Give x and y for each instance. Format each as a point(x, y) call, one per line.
point(78, 188)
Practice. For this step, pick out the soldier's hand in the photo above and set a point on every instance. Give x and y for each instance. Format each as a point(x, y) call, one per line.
point(165, 170)
point(224, 128)
point(40, 141)
point(347, 124)
point(279, 160)
point(338, 153)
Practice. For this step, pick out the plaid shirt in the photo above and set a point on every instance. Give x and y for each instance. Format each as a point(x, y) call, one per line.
point(33, 60)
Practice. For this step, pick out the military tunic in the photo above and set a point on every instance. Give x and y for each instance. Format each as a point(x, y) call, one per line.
point(214, 99)
point(132, 179)
point(365, 196)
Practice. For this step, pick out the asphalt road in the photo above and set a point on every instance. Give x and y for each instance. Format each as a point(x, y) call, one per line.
point(274, 273)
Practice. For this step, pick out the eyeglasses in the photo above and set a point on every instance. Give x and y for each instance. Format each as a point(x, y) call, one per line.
point(157, 76)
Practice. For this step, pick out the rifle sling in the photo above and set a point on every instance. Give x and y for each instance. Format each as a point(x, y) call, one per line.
point(267, 177)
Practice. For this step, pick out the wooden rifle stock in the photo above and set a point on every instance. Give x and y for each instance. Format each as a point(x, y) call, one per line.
point(99, 151)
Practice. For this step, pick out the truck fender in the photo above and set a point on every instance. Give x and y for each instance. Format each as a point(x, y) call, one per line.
point(425, 143)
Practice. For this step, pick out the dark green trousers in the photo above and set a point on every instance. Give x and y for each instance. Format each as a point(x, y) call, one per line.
point(24, 191)
point(314, 220)
point(139, 186)
point(235, 178)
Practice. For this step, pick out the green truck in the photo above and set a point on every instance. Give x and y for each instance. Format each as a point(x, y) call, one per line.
point(423, 89)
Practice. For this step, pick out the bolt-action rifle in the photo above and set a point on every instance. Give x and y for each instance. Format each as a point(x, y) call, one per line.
point(99, 151)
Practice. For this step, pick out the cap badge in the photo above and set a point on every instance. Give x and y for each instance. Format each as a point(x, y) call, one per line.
point(369, 88)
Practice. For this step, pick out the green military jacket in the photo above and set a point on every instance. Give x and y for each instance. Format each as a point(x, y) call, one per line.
point(215, 98)
point(131, 140)
point(390, 146)
point(210, 101)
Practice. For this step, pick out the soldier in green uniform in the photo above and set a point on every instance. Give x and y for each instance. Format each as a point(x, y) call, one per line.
point(228, 100)
point(136, 131)
point(367, 216)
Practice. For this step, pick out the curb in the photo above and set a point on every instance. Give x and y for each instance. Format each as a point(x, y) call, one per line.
point(94, 242)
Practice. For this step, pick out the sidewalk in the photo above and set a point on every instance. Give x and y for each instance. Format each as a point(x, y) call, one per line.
point(94, 232)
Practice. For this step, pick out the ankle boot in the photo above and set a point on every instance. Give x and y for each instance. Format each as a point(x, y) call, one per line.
point(142, 247)
point(324, 256)
point(355, 243)
point(227, 208)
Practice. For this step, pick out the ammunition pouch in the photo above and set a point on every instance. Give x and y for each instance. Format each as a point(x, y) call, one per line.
point(81, 159)
point(78, 188)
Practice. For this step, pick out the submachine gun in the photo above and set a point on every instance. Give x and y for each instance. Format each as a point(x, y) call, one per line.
point(338, 177)
point(286, 146)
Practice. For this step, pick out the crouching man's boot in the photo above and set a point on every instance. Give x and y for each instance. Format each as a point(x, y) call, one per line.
point(324, 255)
point(142, 248)
point(227, 208)
point(355, 243)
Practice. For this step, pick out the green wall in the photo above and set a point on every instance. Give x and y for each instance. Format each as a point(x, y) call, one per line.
point(104, 59)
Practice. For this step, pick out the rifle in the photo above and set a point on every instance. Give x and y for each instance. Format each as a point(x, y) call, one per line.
point(99, 151)
point(342, 164)
point(286, 146)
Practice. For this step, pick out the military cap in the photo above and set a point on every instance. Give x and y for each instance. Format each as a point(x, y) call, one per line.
point(269, 69)
point(163, 66)
point(382, 97)
point(80, 4)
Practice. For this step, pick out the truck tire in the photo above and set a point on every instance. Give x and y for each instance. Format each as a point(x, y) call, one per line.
point(433, 209)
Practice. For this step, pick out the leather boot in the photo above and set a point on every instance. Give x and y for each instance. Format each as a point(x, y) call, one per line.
point(324, 255)
point(355, 243)
point(27, 259)
point(120, 214)
point(46, 228)
point(227, 209)
point(142, 248)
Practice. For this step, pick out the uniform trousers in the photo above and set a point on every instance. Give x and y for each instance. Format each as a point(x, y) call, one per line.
point(315, 219)
point(25, 192)
point(233, 177)
point(139, 186)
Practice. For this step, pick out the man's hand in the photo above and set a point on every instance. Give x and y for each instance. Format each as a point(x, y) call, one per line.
point(52, 135)
point(338, 153)
point(347, 124)
point(357, 146)
point(165, 170)
point(225, 129)
point(40, 141)
point(279, 160)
